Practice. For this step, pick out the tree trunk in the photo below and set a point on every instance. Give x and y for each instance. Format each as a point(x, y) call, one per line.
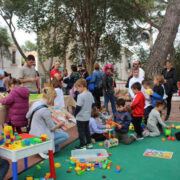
point(164, 41)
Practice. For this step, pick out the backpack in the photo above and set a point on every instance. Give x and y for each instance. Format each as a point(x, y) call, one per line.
point(36, 109)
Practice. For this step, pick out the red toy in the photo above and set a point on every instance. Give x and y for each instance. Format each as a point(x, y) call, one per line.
point(173, 138)
point(169, 138)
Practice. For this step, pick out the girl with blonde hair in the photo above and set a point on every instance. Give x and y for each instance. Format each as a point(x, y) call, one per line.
point(41, 121)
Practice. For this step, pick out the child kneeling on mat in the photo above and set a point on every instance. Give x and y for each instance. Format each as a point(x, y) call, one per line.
point(97, 129)
point(155, 118)
point(123, 118)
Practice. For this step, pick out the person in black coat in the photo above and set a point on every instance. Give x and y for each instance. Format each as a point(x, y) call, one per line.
point(170, 76)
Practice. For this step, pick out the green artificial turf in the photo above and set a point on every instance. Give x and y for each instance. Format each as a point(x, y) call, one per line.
point(134, 166)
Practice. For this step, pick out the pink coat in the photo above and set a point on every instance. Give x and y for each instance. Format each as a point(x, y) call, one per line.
point(18, 103)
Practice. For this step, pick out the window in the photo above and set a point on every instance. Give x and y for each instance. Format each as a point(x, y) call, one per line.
point(14, 57)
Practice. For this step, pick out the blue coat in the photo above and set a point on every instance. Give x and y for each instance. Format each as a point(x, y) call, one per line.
point(123, 118)
point(155, 97)
point(90, 85)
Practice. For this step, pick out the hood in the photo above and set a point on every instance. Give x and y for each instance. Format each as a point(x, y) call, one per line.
point(22, 91)
point(110, 66)
point(34, 106)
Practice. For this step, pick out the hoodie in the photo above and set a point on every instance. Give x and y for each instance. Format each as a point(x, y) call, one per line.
point(18, 103)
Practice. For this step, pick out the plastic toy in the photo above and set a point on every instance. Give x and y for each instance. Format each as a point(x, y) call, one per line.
point(169, 138)
point(100, 144)
point(57, 165)
point(167, 132)
point(43, 137)
point(173, 138)
point(163, 139)
point(29, 178)
point(104, 177)
point(110, 140)
point(38, 167)
point(131, 127)
point(8, 135)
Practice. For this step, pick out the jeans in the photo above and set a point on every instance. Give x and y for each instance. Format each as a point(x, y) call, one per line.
point(83, 130)
point(59, 137)
point(110, 97)
point(4, 166)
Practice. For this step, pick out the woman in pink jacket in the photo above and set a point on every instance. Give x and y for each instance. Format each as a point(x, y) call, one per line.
point(18, 105)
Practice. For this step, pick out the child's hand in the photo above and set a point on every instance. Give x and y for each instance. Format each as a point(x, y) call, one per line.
point(168, 127)
point(106, 131)
point(119, 126)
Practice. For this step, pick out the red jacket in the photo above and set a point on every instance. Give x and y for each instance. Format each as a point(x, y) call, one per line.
point(53, 72)
point(138, 105)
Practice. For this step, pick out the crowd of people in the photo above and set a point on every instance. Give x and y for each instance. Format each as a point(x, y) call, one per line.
point(148, 100)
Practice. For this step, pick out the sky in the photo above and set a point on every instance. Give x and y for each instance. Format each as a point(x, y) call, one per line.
point(20, 35)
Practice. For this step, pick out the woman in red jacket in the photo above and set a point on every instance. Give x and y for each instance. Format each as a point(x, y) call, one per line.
point(138, 109)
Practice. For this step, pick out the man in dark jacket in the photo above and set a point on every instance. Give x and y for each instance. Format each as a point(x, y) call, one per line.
point(169, 74)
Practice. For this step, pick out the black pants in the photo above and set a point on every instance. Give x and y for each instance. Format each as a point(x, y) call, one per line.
point(137, 125)
point(169, 98)
point(147, 112)
point(4, 166)
point(97, 95)
point(83, 130)
point(98, 137)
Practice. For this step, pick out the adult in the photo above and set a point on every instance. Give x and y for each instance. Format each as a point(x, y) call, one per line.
point(55, 71)
point(1, 81)
point(82, 72)
point(170, 76)
point(42, 122)
point(38, 80)
point(136, 64)
point(97, 79)
point(108, 87)
point(28, 76)
point(6, 79)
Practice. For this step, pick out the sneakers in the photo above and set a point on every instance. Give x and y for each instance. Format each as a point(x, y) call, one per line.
point(80, 147)
point(43, 155)
point(89, 146)
point(140, 138)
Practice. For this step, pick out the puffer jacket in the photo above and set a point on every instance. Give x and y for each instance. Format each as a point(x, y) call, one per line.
point(18, 103)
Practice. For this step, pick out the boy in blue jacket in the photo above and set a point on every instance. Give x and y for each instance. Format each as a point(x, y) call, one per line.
point(123, 118)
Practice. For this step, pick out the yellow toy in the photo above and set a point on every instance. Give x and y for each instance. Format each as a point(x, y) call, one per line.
point(100, 144)
point(131, 127)
point(149, 92)
point(8, 136)
point(57, 165)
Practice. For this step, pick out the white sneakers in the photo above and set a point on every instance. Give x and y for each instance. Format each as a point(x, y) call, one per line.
point(43, 155)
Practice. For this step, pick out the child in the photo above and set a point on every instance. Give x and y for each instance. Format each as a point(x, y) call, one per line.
point(158, 90)
point(83, 113)
point(137, 106)
point(18, 102)
point(108, 84)
point(96, 128)
point(148, 104)
point(103, 115)
point(134, 79)
point(153, 120)
point(59, 100)
point(123, 118)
